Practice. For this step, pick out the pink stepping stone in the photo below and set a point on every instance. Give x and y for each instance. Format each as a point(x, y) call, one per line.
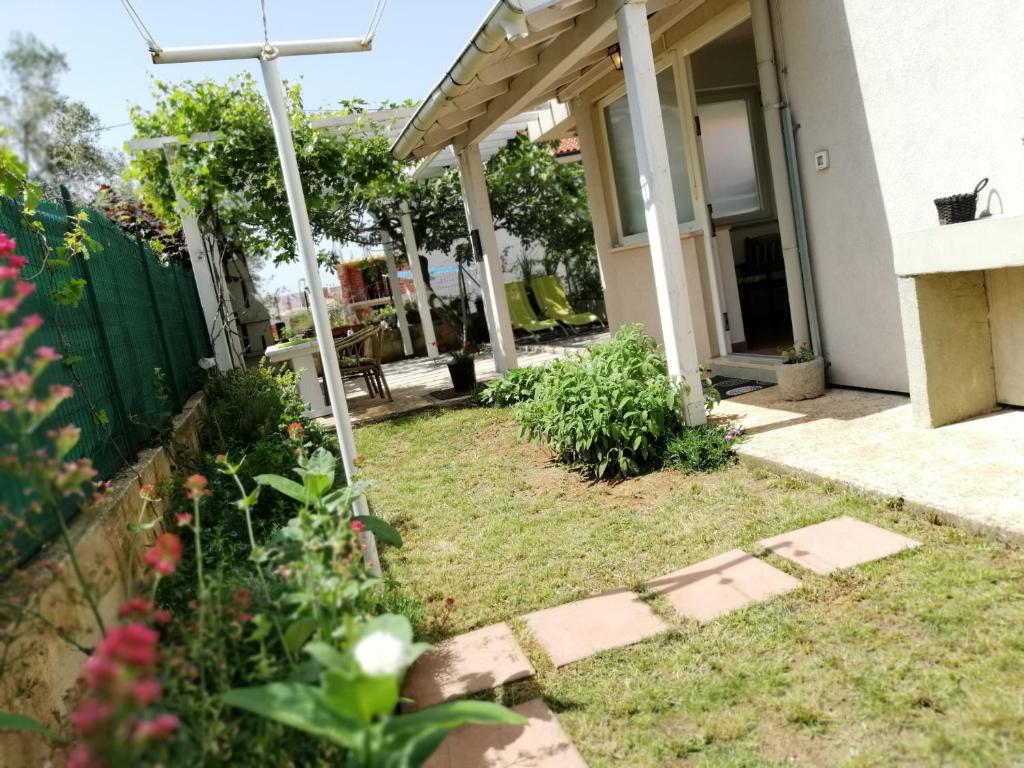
point(475, 661)
point(835, 544)
point(574, 631)
point(724, 583)
point(541, 743)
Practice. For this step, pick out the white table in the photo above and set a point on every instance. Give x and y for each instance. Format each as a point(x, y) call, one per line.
point(302, 359)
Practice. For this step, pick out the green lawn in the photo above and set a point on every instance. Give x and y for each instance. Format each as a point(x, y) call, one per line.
point(917, 659)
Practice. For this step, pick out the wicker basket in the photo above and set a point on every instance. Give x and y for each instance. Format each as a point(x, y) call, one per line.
point(957, 208)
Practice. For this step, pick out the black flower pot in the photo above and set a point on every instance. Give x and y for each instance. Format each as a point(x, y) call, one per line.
point(463, 374)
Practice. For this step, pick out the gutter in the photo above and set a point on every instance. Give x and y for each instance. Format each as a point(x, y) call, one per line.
point(506, 21)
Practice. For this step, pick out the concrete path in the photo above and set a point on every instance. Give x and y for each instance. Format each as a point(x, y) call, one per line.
point(489, 657)
point(971, 473)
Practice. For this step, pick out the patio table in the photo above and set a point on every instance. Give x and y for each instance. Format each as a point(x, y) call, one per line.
point(302, 359)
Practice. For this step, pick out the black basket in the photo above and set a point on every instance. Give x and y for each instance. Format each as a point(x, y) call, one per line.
point(957, 208)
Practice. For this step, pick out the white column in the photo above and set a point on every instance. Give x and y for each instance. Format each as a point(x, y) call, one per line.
point(659, 204)
point(396, 291)
point(318, 305)
point(207, 272)
point(478, 215)
point(771, 101)
point(422, 299)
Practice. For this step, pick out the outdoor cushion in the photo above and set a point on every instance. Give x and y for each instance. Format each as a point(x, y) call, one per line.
point(555, 304)
point(521, 314)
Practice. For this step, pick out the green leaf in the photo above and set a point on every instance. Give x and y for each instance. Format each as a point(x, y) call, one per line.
point(296, 705)
point(289, 488)
point(69, 294)
point(382, 530)
point(418, 735)
point(12, 721)
point(298, 633)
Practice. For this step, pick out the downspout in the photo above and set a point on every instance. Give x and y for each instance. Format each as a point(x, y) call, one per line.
point(772, 104)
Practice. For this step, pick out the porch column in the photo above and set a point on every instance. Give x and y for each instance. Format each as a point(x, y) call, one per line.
point(208, 272)
point(396, 290)
point(422, 298)
point(771, 101)
point(659, 204)
point(479, 218)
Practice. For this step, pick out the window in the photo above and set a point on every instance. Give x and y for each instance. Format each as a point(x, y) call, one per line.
point(729, 158)
point(626, 172)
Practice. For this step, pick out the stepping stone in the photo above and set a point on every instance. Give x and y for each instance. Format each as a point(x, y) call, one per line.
point(574, 631)
point(475, 661)
point(724, 583)
point(541, 743)
point(836, 544)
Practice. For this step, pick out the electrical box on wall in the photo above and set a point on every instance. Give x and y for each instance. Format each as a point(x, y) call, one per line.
point(821, 160)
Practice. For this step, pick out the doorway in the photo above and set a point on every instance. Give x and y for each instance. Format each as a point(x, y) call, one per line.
point(733, 146)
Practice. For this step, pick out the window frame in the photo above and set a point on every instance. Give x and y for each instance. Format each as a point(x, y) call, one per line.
point(759, 148)
point(669, 60)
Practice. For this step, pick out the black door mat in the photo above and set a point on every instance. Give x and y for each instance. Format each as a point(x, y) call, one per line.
point(728, 387)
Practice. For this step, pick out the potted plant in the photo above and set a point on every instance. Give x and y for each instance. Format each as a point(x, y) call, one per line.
point(802, 375)
point(462, 369)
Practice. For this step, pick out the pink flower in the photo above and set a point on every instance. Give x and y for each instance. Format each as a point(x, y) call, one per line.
point(146, 691)
point(358, 526)
point(17, 261)
point(195, 486)
point(82, 757)
point(100, 673)
point(160, 727)
point(90, 715)
point(132, 644)
point(295, 430)
point(165, 554)
point(23, 289)
point(31, 322)
point(7, 244)
point(147, 491)
point(161, 616)
point(137, 606)
point(61, 391)
point(183, 518)
point(48, 353)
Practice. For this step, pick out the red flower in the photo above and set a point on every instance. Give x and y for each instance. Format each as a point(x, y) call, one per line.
point(132, 644)
point(358, 526)
point(137, 607)
point(160, 727)
point(161, 616)
point(146, 691)
point(165, 554)
point(90, 715)
point(195, 486)
point(296, 430)
point(148, 492)
point(449, 601)
point(100, 673)
point(184, 518)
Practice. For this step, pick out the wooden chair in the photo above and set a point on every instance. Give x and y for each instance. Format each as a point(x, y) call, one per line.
point(359, 356)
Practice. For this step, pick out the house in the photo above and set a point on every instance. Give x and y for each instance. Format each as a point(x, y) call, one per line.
point(763, 172)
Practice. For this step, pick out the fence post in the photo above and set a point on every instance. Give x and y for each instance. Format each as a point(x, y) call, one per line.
point(120, 411)
point(161, 329)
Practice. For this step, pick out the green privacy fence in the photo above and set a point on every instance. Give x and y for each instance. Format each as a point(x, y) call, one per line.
point(131, 348)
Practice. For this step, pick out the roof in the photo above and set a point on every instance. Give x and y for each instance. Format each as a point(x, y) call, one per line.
point(528, 54)
point(568, 146)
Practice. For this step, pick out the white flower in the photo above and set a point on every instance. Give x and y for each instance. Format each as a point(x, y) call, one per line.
point(380, 654)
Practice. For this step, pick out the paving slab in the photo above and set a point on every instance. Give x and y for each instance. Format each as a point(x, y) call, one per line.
point(541, 743)
point(730, 581)
point(836, 544)
point(574, 631)
point(466, 664)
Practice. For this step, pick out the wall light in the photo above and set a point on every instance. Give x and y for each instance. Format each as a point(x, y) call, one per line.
point(616, 56)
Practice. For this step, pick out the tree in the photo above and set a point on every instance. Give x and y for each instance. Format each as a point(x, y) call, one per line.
point(55, 137)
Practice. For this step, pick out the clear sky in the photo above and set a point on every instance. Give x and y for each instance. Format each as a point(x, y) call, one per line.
point(110, 69)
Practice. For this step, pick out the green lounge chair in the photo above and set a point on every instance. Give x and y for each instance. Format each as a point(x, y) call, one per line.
point(521, 314)
point(555, 304)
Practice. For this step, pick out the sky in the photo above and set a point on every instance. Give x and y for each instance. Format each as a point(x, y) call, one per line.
point(110, 68)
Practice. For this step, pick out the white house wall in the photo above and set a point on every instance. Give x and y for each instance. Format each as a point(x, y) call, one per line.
point(913, 100)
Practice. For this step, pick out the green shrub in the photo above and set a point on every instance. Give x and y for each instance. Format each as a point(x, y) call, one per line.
point(607, 411)
point(703, 448)
point(517, 385)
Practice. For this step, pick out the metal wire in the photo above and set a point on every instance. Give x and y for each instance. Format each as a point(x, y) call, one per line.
point(266, 31)
point(140, 25)
point(378, 12)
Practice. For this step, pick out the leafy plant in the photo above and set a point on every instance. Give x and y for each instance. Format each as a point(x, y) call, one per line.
point(798, 353)
point(609, 410)
point(516, 386)
point(354, 705)
point(702, 448)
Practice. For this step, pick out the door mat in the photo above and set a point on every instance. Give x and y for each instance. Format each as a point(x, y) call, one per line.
point(728, 387)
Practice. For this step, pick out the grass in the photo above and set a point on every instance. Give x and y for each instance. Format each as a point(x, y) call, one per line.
point(917, 659)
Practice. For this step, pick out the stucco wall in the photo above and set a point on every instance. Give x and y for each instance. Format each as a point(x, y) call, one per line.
point(913, 100)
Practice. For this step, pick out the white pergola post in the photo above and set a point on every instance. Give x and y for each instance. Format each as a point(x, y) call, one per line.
point(318, 305)
point(208, 273)
point(396, 291)
point(659, 205)
point(480, 220)
point(422, 299)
